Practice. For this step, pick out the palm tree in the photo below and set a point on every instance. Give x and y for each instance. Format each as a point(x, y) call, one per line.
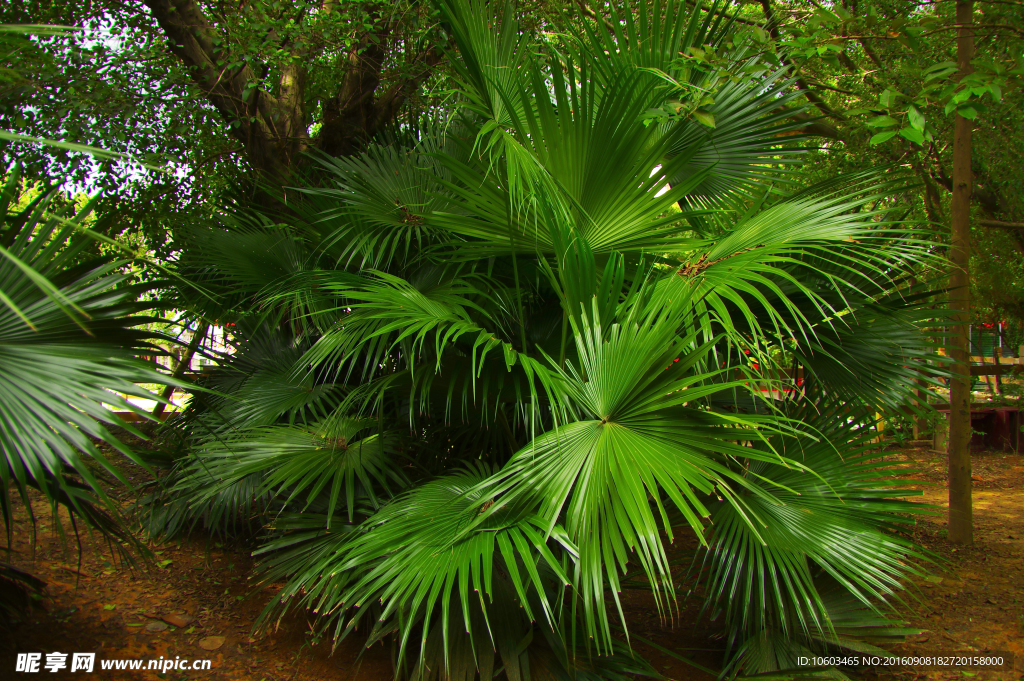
point(513, 350)
point(69, 338)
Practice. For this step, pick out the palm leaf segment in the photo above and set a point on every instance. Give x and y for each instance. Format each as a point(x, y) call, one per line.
point(605, 388)
point(813, 559)
point(69, 338)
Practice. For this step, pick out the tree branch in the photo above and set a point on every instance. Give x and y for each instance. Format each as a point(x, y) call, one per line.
point(816, 127)
point(1000, 224)
point(350, 116)
point(391, 101)
point(270, 129)
point(771, 25)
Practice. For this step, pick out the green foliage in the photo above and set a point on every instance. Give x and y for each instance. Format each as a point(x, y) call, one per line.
point(99, 84)
point(490, 369)
point(109, 75)
point(68, 342)
point(884, 84)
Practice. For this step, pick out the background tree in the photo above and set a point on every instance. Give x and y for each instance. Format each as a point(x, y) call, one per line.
point(961, 524)
point(215, 90)
point(893, 82)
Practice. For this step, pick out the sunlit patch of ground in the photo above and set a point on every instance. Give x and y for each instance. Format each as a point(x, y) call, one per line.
point(976, 601)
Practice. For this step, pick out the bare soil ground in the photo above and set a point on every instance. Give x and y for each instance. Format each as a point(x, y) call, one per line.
point(198, 593)
point(976, 602)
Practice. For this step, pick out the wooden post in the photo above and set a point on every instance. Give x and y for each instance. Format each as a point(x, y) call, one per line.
point(996, 353)
point(921, 422)
point(988, 379)
point(961, 521)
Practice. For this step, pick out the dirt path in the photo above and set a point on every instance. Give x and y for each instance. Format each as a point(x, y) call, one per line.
point(198, 594)
point(977, 601)
point(195, 602)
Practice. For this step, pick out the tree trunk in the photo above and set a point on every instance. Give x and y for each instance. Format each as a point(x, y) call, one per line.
point(270, 123)
point(270, 129)
point(961, 525)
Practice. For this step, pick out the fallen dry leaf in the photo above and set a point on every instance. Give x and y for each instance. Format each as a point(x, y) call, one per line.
point(154, 627)
point(211, 642)
point(177, 620)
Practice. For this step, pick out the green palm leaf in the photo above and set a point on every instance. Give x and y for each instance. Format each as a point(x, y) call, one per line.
point(841, 521)
point(68, 341)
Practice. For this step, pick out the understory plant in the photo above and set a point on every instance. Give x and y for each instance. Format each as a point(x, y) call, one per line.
point(487, 373)
point(72, 327)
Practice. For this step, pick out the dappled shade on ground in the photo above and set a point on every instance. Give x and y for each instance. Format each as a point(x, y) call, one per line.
point(203, 586)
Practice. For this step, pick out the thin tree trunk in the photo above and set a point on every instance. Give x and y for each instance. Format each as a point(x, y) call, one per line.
point(920, 426)
point(920, 422)
point(961, 523)
point(182, 366)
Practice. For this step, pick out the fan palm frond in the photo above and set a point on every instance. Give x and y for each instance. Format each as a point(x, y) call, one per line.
point(549, 377)
point(68, 340)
